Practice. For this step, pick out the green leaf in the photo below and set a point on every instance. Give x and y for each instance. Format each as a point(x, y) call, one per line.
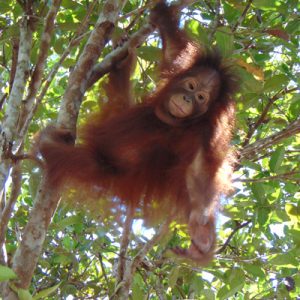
point(255, 270)
point(5, 6)
point(69, 62)
point(63, 259)
point(149, 53)
point(230, 12)
point(276, 159)
point(263, 216)
point(275, 83)
point(195, 29)
point(258, 191)
point(59, 46)
point(265, 4)
point(46, 292)
point(286, 259)
point(68, 243)
point(207, 295)
point(7, 273)
point(24, 294)
point(224, 40)
point(137, 290)
point(197, 285)
point(252, 165)
point(237, 279)
point(292, 26)
point(248, 83)
point(235, 283)
point(173, 276)
point(295, 235)
point(295, 105)
point(69, 4)
point(293, 212)
point(69, 221)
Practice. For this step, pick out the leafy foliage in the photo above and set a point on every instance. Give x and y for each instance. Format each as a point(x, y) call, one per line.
point(259, 226)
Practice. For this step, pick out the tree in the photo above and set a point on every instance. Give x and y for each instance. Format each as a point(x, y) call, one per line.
point(52, 56)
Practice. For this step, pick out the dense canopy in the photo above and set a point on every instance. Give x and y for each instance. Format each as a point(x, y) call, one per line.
point(54, 57)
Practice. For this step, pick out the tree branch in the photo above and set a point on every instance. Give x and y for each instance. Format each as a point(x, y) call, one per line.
point(36, 79)
point(122, 290)
point(284, 176)
point(264, 114)
point(77, 84)
point(120, 53)
point(8, 131)
point(242, 17)
point(78, 36)
point(27, 254)
point(252, 150)
point(16, 178)
point(124, 244)
point(220, 250)
point(103, 269)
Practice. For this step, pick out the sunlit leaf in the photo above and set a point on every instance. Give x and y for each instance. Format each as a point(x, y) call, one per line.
point(24, 294)
point(275, 83)
point(255, 70)
point(286, 259)
point(258, 191)
point(69, 4)
point(149, 53)
point(197, 285)
point(6, 273)
point(265, 4)
point(4, 6)
point(173, 276)
point(277, 158)
point(197, 30)
point(207, 295)
point(46, 292)
point(255, 270)
point(263, 215)
point(249, 83)
point(224, 40)
point(137, 290)
point(68, 221)
point(235, 283)
point(231, 13)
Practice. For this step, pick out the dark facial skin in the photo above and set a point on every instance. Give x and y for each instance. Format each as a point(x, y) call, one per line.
point(193, 95)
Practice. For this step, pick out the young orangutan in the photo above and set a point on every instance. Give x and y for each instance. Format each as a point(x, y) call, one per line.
point(172, 149)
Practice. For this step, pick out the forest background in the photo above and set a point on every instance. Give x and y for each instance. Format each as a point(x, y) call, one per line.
point(53, 58)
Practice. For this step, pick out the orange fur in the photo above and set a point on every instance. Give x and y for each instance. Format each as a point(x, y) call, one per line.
point(134, 155)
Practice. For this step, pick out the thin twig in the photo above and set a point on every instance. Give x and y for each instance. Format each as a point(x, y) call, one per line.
point(28, 103)
point(220, 250)
point(2, 100)
point(120, 53)
point(103, 269)
point(15, 191)
point(285, 176)
point(122, 290)
point(251, 151)
point(215, 23)
point(264, 113)
point(78, 36)
point(209, 6)
point(242, 17)
point(124, 243)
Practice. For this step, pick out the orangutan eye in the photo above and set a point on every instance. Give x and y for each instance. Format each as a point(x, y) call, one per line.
point(190, 84)
point(201, 96)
